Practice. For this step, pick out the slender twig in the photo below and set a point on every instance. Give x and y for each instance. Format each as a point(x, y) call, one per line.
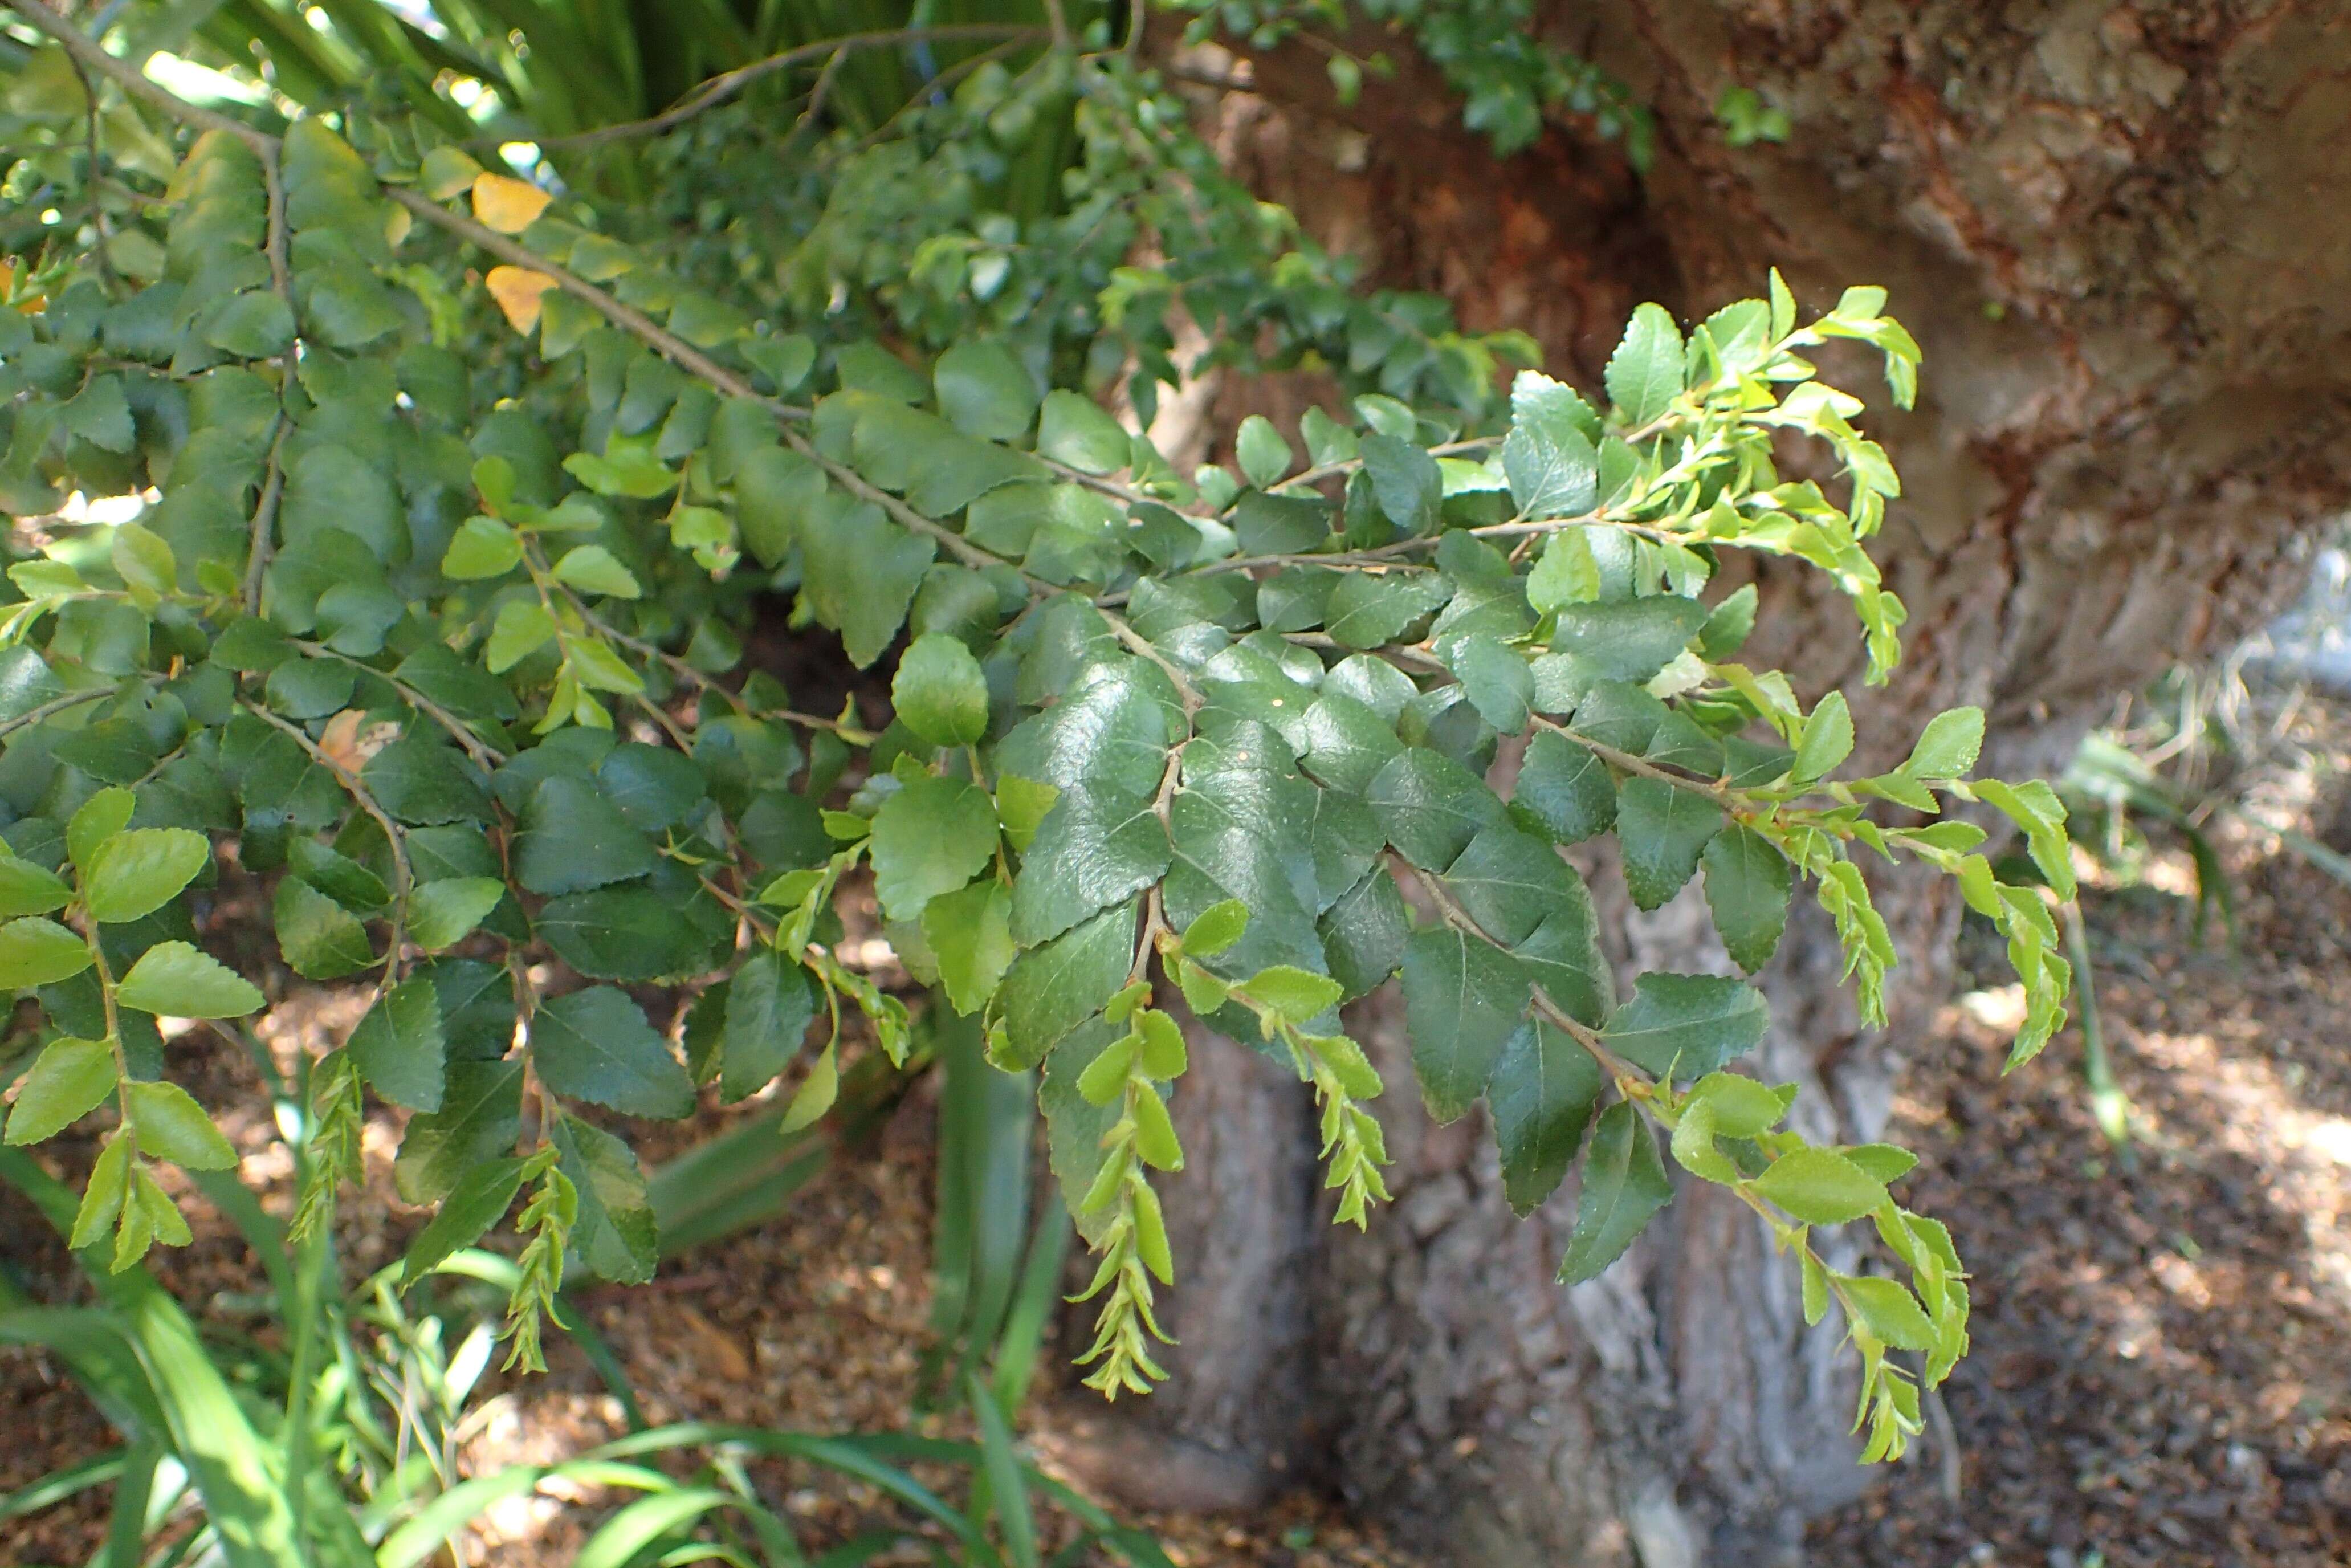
point(58, 705)
point(485, 756)
point(265, 516)
point(1728, 800)
point(97, 212)
point(1061, 21)
point(721, 88)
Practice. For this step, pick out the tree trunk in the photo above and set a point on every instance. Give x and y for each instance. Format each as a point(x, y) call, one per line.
point(2121, 232)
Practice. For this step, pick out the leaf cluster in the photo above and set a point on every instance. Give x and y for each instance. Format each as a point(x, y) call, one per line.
point(455, 507)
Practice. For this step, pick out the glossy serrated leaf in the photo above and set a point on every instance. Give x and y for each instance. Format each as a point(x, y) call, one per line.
point(171, 1127)
point(399, 1047)
point(1625, 1185)
point(1747, 882)
point(1542, 1092)
point(1463, 1001)
point(69, 1079)
point(1688, 1024)
point(1662, 830)
point(595, 1045)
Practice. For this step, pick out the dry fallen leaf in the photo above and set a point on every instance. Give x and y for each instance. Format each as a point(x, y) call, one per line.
point(508, 204)
point(516, 289)
point(344, 745)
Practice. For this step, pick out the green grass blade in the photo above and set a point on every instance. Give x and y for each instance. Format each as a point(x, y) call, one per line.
point(618, 1540)
point(60, 1484)
point(1007, 1489)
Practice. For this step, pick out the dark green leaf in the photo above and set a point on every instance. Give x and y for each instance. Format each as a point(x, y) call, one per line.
point(615, 1234)
point(653, 786)
point(1542, 1093)
point(595, 1045)
point(1662, 830)
point(1747, 887)
point(481, 1198)
point(1431, 807)
point(1406, 481)
point(319, 938)
point(1370, 612)
point(1631, 640)
point(420, 781)
point(1625, 1185)
point(1363, 933)
point(1552, 470)
point(1049, 991)
point(573, 838)
point(399, 1046)
point(625, 934)
point(1091, 851)
point(769, 1006)
point(1689, 1024)
point(479, 1119)
point(1567, 788)
point(1463, 999)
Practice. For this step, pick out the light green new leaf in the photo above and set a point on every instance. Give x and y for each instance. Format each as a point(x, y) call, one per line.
point(940, 691)
point(593, 568)
point(1947, 748)
point(136, 871)
point(931, 837)
point(29, 889)
point(1827, 739)
point(482, 547)
point(970, 933)
point(175, 979)
point(97, 819)
point(36, 952)
point(1820, 1186)
point(70, 1079)
point(441, 913)
point(1644, 373)
point(172, 1126)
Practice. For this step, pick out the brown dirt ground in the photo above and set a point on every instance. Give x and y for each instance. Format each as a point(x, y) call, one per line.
point(2162, 1362)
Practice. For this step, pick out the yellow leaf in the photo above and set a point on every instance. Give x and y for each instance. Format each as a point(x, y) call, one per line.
point(508, 204)
point(516, 289)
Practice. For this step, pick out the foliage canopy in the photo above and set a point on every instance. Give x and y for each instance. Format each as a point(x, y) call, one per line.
point(471, 432)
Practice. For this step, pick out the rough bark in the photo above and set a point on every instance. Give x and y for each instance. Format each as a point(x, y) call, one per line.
point(2123, 234)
